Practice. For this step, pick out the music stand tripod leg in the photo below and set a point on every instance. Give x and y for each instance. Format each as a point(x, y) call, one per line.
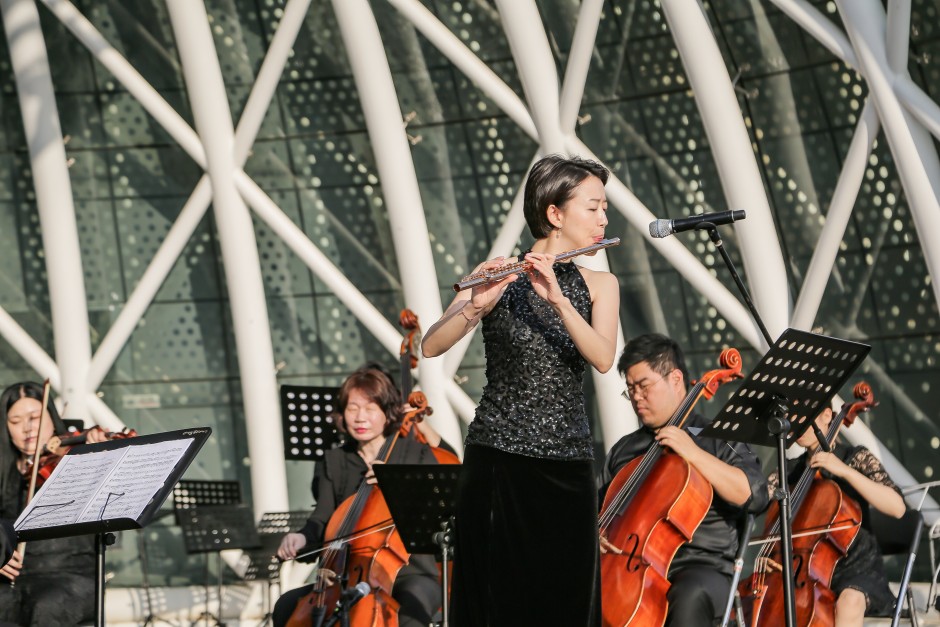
point(102, 541)
point(780, 426)
point(444, 540)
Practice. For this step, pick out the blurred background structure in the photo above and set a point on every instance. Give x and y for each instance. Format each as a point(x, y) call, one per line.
point(203, 199)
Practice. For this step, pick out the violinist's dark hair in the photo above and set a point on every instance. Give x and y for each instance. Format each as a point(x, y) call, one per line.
point(552, 181)
point(378, 386)
point(8, 452)
point(662, 353)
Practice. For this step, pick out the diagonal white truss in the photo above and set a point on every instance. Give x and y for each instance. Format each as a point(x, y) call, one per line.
point(876, 46)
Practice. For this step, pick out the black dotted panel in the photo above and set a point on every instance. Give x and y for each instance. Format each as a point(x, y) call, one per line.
point(307, 421)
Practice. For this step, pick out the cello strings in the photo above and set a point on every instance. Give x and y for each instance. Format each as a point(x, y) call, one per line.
point(626, 492)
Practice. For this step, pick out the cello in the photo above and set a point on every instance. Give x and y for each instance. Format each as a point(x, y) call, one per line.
point(653, 505)
point(825, 523)
point(408, 359)
point(361, 545)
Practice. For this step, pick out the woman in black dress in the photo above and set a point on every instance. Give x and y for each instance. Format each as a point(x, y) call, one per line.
point(526, 522)
point(55, 580)
point(370, 410)
point(859, 580)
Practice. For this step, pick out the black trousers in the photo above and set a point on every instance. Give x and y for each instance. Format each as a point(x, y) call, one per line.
point(697, 597)
point(60, 600)
point(526, 544)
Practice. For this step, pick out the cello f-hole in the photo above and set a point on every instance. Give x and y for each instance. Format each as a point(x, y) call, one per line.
point(633, 560)
point(798, 581)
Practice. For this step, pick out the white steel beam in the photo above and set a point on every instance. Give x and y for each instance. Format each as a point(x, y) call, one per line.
point(814, 22)
point(837, 219)
point(911, 146)
point(203, 76)
point(579, 63)
point(149, 284)
point(66, 284)
point(161, 111)
point(25, 346)
point(622, 198)
point(318, 263)
point(400, 190)
point(265, 208)
point(921, 106)
point(195, 208)
point(536, 67)
point(734, 158)
point(464, 60)
point(687, 264)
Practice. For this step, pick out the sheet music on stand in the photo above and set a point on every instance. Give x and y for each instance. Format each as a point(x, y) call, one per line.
point(97, 489)
point(804, 369)
point(110, 486)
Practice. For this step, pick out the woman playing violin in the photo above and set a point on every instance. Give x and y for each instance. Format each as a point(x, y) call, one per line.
point(526, 518)
point(55, 580)
point(370, 410)
point(859, 580)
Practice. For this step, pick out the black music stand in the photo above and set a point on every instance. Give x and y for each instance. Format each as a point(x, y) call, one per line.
point(421, 499)
point(780, 399)
point(307, 421)
point(262, 563)
point(191, 494)
point(215, 528)
point(106, 487)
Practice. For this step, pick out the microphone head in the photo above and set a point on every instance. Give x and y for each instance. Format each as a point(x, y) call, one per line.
point(660, 228)
point(353, 595)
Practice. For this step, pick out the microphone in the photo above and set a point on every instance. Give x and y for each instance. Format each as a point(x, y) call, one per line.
point(347, 599)
point(352, 595)
point(664, 228)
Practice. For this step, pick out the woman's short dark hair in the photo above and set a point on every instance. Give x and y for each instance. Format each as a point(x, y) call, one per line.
point(379, 388)
point(552, 181)
point(662, 353)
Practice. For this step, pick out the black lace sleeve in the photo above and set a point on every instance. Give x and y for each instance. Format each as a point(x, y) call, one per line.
point(773, 482)
point(864, 461)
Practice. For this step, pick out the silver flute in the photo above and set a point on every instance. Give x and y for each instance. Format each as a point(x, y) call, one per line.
point(489, 276)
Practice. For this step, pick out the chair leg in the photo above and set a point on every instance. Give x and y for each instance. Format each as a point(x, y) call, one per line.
point(912, 608)
point(906, 578)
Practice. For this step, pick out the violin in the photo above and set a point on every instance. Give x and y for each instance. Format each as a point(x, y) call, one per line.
point(58, 445)
point(825, 524)
point(653, 506)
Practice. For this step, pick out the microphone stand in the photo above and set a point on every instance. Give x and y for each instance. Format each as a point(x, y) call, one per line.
point(719, 245)
point(779, 427)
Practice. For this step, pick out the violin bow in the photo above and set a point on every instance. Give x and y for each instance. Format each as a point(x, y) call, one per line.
point(21, 547)
point(39, 445)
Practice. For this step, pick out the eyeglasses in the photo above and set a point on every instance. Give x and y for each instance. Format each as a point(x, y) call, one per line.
point(641, 389)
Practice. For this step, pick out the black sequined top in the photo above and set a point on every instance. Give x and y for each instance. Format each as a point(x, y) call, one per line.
point(533, 402)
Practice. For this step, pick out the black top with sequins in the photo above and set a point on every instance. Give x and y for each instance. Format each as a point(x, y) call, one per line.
point(533, 402)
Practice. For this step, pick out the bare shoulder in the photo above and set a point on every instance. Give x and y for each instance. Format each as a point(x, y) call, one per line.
point(600, 282)
point(599, 279)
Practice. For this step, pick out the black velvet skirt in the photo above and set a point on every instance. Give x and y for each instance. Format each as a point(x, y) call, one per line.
point(526, 543)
